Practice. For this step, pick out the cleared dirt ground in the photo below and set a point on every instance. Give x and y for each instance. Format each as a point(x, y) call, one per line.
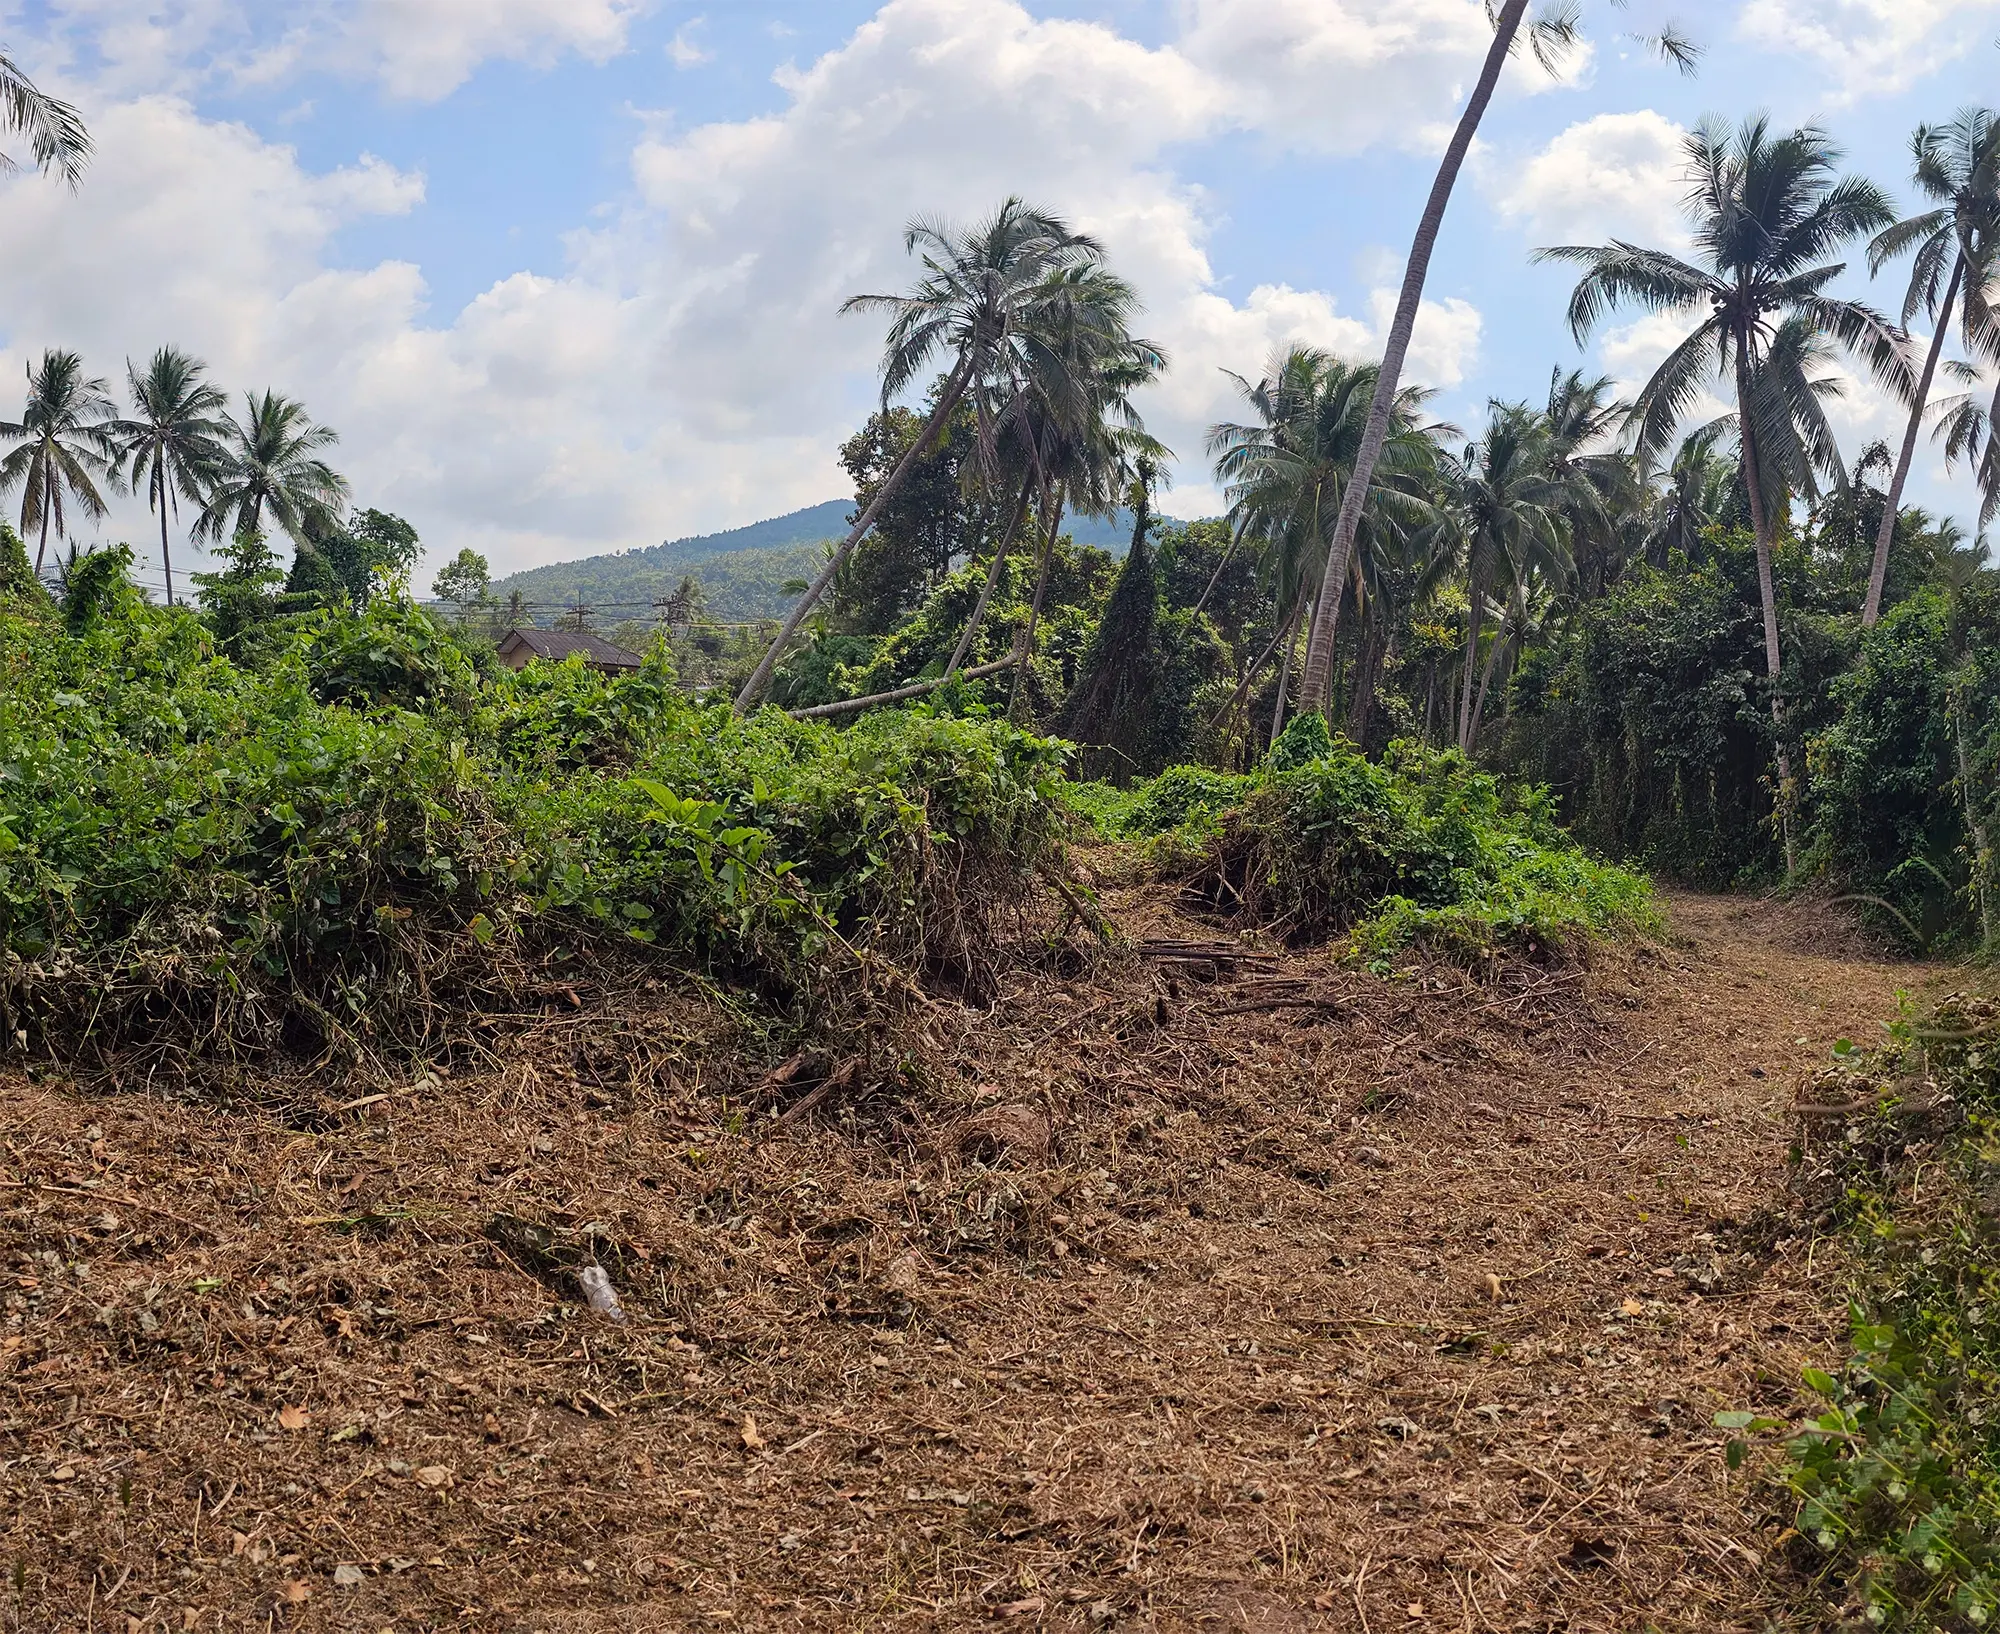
point(1245, 1293)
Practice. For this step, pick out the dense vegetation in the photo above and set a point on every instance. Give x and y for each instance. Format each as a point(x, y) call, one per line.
point(1895, 1486)
point(1724, 652)
point(1416, 847)
point(351, 822)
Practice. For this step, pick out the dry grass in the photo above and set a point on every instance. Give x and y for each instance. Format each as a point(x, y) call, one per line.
point(1176, 1293)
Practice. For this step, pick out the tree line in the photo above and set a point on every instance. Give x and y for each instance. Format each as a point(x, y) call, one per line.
point(1426, 580)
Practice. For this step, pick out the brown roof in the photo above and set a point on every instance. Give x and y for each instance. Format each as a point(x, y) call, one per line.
point(556, 645)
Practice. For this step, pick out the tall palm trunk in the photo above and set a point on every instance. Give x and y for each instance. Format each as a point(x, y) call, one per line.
point(1485, 684)
point(166, 560)
point(1982, 845)
point(42, 549)
point(1761, 524)
point(760, 678)
point(972, 624)
point(1319, 646)
point(1284, 686)
point(1475, 619)
point(1027, 647)
point(1878, 571)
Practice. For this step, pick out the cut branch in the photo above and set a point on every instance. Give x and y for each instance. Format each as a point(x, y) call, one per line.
point(916, 689)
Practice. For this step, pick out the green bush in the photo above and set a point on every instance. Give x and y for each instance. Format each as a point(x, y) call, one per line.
point(1421, 848)
point(1905, 782)
point(336, 842)
point(1417, 848)
point(1897, 1481)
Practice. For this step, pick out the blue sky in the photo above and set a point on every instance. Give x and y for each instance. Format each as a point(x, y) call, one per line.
point(564, 273)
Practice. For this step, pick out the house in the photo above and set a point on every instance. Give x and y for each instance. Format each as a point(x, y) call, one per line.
point(519, 647)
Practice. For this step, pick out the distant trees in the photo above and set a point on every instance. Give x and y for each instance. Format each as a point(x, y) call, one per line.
point(1767, 211)
point(1504, 505)
point(173, 440)
point(936, 515)
point(65, 448)
point(368, 549)
point(991, 298)
point(1958, 168)
point(178, 444)
point(1286, 475)
point(467, 581)
point(272, 463)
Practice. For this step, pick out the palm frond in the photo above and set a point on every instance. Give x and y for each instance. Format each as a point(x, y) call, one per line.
point(1618, 273)
point(55, 130)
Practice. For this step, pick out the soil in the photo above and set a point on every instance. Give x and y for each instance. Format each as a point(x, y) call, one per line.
point(1215, 1286)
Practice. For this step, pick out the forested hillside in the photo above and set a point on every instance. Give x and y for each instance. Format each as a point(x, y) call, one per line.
point(743, 575)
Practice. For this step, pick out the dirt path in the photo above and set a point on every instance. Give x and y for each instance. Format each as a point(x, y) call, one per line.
point(1265, 1298)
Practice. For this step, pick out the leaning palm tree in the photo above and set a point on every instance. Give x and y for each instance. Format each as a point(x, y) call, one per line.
point(54, 129)
point(1957, 166)
point(978, 298)
point(271, 463)
point(65, 448)
point(1551, 36)
point(173, 439)
point(1766, 211)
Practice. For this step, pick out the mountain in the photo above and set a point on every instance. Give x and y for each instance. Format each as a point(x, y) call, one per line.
point(742, 571)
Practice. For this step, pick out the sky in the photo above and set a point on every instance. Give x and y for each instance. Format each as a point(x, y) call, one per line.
point(565, 274)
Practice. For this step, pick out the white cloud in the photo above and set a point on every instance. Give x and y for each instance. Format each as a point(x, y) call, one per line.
point(418, 49)
point(426, 48)
point(1338, 75)
point(1871, 47)
point(687, 369)
point(1617, 175)
point(682, 51)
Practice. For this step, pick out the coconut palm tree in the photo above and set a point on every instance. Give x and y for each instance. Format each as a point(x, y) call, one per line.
point(1696, 492)
point(1055, 422)
point(173, 439)
point(1532, 605)
point(1766, 211)
point(271, 462)
point(1503, 514)
point(1966, 422)
point(54, 129)
point(1600, 483)
point(65, 448)
point(1958, 167)
point(980, 296)
point(1551, 37)
point(1287, 475)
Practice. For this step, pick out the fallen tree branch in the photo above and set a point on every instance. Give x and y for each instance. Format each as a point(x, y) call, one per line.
point(1331, 1006)
point(916, 689)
